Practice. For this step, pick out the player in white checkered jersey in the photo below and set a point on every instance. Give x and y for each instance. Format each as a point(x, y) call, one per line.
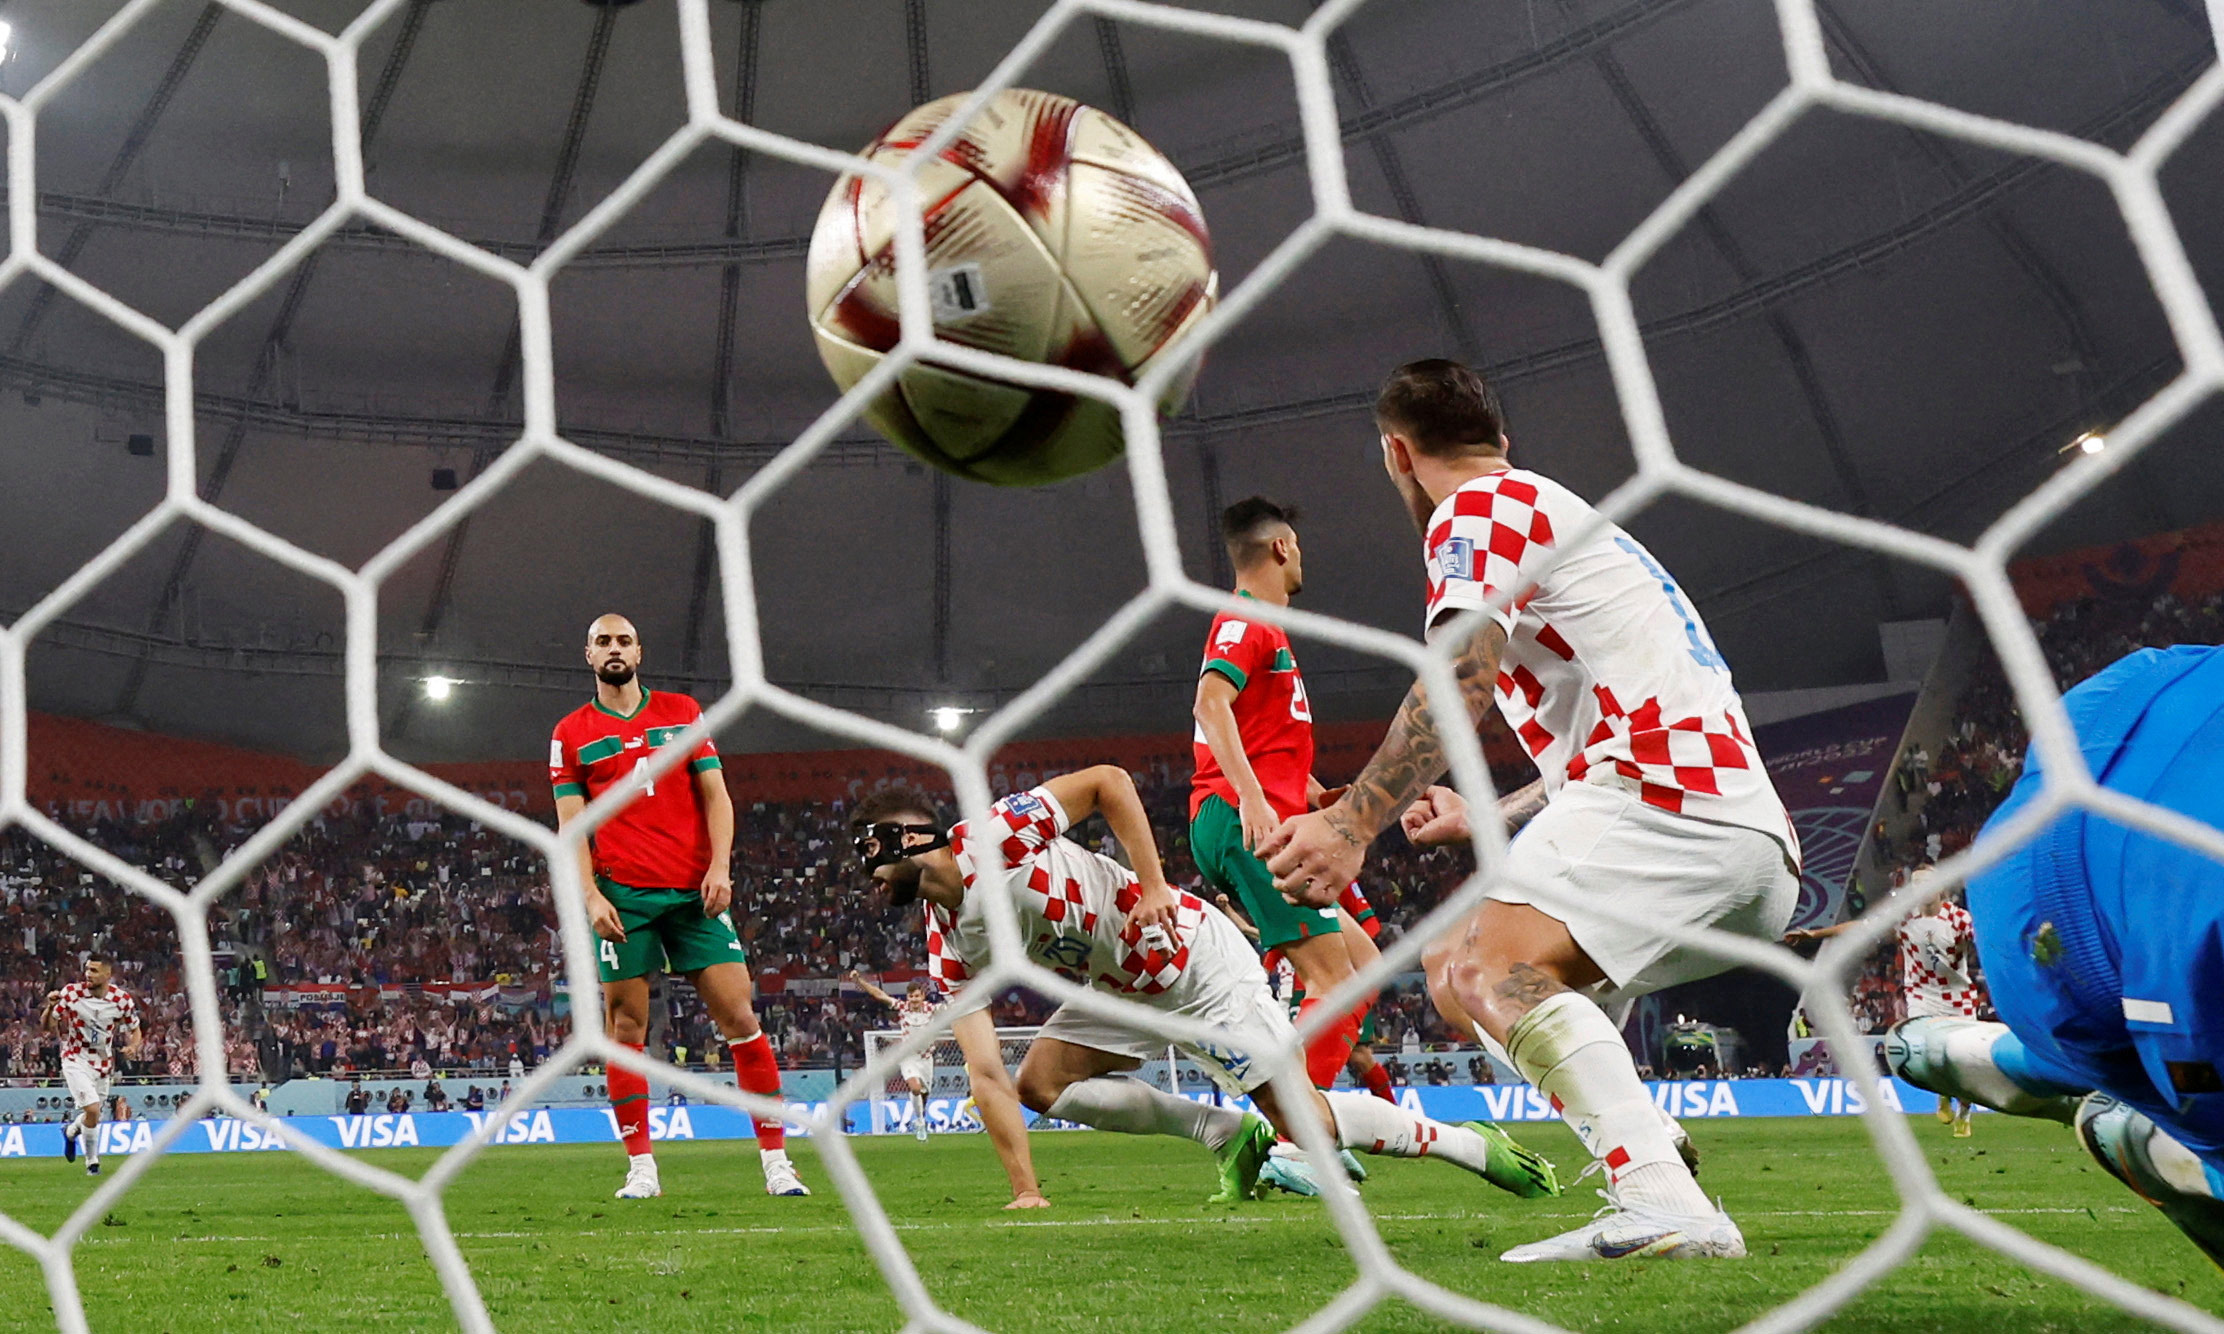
point(88, 1015)
point(1653, 810)
point(1128, 933)
point(915, 1011)
point(1938, 971)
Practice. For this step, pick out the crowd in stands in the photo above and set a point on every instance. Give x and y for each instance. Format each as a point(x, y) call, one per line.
point(328, 946)
point(326, 949)
point(1945, 799)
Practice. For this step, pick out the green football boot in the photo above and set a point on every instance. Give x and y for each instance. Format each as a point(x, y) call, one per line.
point(1241, 1159)
point(1513, 1168)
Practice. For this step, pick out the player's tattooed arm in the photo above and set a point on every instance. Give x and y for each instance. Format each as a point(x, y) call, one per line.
point(1412, 755)
point(1314, 856)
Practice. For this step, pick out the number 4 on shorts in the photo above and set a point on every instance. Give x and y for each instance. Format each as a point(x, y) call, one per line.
point(607, 951)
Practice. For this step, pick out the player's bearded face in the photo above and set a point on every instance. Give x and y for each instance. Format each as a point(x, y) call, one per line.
point(614, 670)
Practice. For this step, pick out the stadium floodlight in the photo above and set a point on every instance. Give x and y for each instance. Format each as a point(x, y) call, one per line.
point(439, 687)
point(947, 717)
point(2086, 442)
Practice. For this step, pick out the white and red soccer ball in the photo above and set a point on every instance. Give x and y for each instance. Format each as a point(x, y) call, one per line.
point(1055, 235)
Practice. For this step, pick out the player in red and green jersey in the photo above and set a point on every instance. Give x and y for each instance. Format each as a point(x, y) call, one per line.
point(1255, 765)
point(659, 888)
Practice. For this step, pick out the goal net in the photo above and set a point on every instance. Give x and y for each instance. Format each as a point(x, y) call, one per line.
point(1811, 88)
point(942, 1067)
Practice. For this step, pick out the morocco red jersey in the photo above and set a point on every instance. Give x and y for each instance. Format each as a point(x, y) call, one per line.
point(1272, 715)
point(659, 840)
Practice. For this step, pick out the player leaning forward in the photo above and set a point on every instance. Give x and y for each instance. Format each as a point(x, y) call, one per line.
point(1653, 810)
point(1127, 933)
point(87, 1014)
point(659, 887)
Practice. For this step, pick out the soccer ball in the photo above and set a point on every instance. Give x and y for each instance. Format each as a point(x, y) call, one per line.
point(1054, 234)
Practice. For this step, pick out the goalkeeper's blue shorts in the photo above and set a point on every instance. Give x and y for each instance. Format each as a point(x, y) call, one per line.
point(2104, 947)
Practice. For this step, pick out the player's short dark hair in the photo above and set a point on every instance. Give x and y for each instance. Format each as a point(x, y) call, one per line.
point(1443, 408)
point(882, 805)
point(99, 956)
point(1248, 527)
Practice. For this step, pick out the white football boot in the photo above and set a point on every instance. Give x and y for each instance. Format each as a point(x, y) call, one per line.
point(1625, 1232)
point(641, 1182)
point(780, 1177)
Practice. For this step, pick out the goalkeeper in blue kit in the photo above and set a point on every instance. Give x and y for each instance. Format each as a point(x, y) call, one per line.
point(2104, 947)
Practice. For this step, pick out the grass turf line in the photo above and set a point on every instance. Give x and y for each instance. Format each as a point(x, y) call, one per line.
point(206, 1242)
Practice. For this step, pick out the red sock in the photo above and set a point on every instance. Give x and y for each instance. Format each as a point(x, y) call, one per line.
point(629, 1098)
point(1326, 1054)
point(758, 1072)
point(1378, 1083)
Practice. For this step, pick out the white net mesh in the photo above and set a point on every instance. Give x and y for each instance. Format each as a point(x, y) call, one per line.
point(2130, 177)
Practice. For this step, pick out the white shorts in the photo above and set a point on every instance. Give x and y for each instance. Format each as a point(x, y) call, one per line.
point(87, 1086)
point(1595, 846)
point(920, 1068)
point(1223, 985)
point(1924, 1003)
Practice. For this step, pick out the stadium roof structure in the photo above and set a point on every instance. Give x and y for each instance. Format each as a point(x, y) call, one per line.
point(1866, 318)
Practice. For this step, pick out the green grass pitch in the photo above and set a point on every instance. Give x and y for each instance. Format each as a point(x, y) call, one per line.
point(222, 1243)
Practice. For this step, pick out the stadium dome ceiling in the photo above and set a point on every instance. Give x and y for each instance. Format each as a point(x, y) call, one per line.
point(1866, 318)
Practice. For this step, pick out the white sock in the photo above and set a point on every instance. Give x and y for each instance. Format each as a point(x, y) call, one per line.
point(92, 1144)
point(70, 1128)
point(919, 1107)
point(1370, 1125)
point(772, 1157)
point(1571, 1051)
point(1132, 1107)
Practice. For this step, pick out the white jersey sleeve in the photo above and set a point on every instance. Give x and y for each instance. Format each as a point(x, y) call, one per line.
point(1608, 675)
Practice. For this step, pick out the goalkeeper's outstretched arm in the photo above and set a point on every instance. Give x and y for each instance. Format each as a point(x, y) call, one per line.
point(998, 1099)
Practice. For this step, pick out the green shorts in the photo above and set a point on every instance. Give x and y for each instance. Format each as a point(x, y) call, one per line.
point(1216, 843)
point(665, 928)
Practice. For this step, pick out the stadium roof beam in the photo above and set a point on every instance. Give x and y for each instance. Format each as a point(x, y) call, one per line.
point(749, 49)
point(1710, 224)
point(1116, 80)
point(1411, 109)
point(1345, 66)
point(485, 450)
point(1437, 99)
point(1983, 193)
point(135, 143)
point(938, 483)
point(78, 384)
point(266, 363)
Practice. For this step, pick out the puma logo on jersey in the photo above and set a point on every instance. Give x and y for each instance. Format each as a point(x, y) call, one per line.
point(633, 743)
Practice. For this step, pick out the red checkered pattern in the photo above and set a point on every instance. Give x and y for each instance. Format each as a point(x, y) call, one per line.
point(1938, 964)
point(1073, 906)
point(1483, 535)
point(1669, 760)
point(1608, 674)
point(89, 1024)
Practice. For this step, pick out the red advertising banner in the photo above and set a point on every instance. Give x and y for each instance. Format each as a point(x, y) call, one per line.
point(83, 771)
point(2188, 563)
